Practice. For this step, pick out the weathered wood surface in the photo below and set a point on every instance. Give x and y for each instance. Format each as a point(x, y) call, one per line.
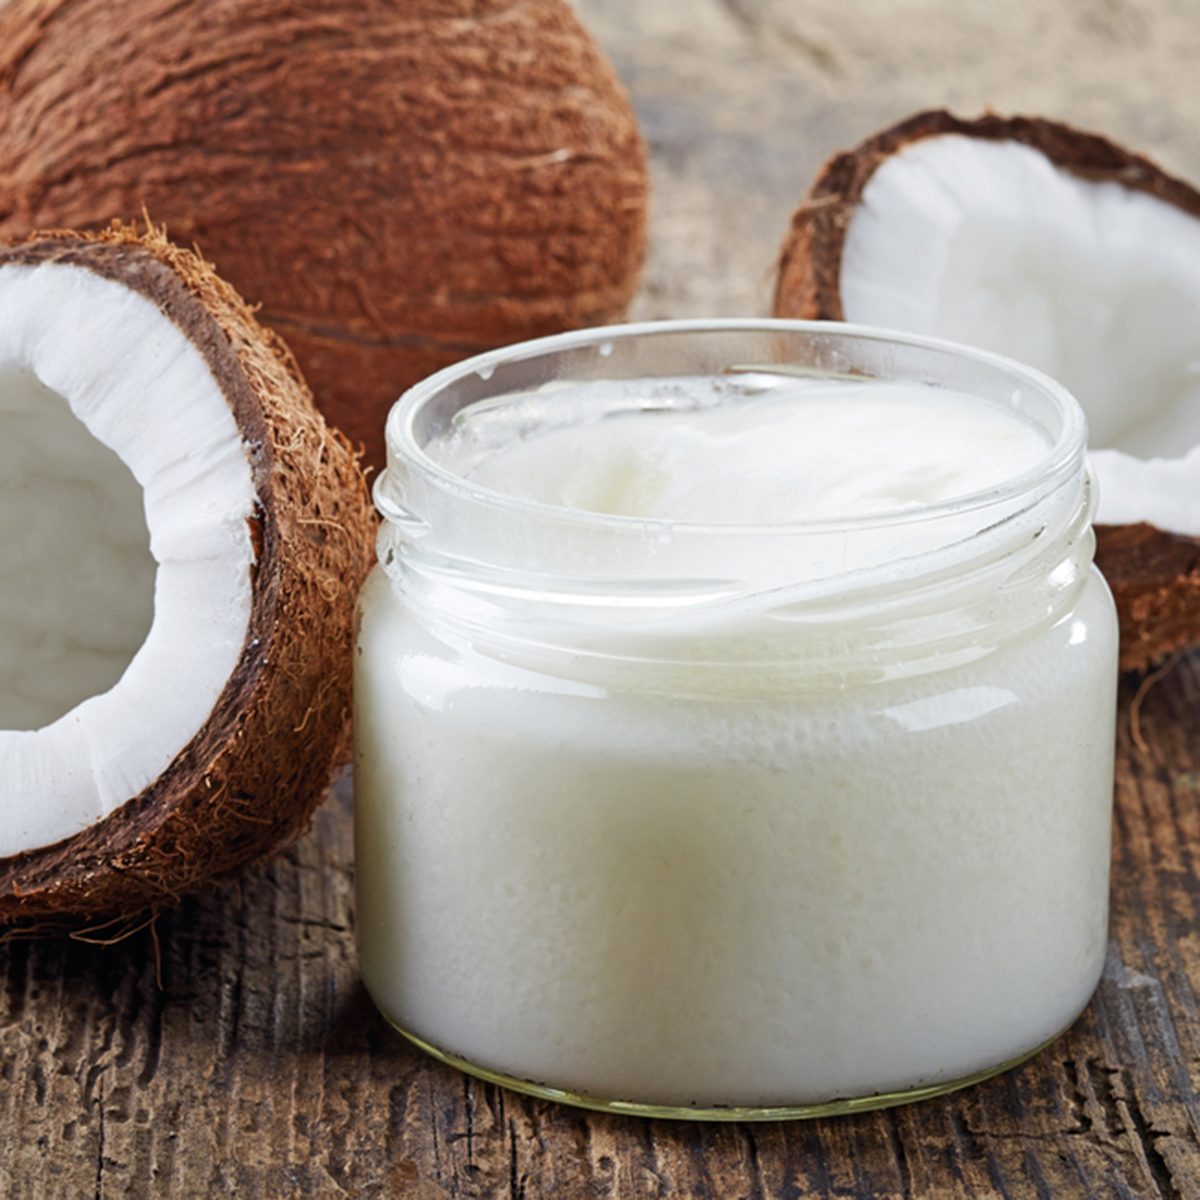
point(259, 1068)
point(244, 1059)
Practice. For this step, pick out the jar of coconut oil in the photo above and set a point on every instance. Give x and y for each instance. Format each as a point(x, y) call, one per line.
point(734, 716)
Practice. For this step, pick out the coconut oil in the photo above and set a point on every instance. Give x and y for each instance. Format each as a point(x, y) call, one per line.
point(734, 715)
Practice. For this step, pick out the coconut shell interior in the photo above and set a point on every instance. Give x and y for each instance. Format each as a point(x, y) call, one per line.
point(1154, 573)
point(249, 780)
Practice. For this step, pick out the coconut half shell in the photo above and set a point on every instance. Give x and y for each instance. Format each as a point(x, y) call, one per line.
point(247, 778)
point(1152, 565)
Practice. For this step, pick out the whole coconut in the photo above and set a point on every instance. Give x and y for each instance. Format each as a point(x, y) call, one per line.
point(398, 185)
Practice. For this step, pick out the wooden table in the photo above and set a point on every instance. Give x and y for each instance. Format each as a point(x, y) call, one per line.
point(248, 1061)
point(231, 1051)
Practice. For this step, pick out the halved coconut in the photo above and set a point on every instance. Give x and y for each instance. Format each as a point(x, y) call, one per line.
point(182, 541)
point(1063, 250)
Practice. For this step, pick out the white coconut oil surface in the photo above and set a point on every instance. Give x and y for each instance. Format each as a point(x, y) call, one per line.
point(765, 847)
point(756, 450)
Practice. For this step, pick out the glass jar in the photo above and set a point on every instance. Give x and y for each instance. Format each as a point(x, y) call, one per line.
point(732, 821)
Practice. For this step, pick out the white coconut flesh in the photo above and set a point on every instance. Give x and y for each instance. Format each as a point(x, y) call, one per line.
point(125, 548)
point(989, 243)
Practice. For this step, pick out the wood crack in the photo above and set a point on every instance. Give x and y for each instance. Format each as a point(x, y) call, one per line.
point(100, 1135)
point(1145, 1138)
point(756, 1178)
point(516, 1186)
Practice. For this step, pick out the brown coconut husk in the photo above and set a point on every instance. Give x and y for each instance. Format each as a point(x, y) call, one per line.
point(399, 185)
point(248, 782)
point(1154, 573)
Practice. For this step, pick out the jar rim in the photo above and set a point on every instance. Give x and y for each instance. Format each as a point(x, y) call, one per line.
point(1061, 459)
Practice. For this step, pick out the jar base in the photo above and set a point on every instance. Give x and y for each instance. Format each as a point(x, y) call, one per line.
point(830, 1108)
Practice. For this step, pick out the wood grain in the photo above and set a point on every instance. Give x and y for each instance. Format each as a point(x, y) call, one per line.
point(257, 1067)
